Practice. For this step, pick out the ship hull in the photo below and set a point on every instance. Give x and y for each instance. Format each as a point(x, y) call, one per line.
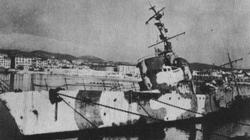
point(34, 114)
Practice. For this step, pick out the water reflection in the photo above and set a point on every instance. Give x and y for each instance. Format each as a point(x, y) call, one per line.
point(210, 131)
point(226, 131)
point(173, 133)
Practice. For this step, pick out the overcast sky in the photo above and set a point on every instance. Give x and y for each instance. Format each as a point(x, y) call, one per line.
point(115, 29)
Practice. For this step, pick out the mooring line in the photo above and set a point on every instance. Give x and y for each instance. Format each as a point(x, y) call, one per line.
point(110, 107)
point(144, 109)
point(79, 114)
point(179, 107)
point(141, 115)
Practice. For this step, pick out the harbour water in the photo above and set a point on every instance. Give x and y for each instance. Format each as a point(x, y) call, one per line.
point(229, 131)
point(209, 131)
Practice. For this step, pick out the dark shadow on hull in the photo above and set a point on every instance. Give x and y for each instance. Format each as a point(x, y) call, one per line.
point(8, 127)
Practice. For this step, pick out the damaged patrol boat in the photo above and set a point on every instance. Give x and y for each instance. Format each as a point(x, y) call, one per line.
point(167, 93)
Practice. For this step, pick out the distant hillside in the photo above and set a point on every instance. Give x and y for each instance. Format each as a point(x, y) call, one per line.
point(9, 52)
point(125, 63)
point(91, 58)
point(201, 66)
point(47, 55)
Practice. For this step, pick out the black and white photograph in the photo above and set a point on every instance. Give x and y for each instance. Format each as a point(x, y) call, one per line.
point(124, 69)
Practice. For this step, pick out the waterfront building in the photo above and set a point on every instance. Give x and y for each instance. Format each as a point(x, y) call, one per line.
point(36, 62)
point(23, 61)
point(79, 61)
point(128, 70)
point(110, 68)
point(4, 61)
